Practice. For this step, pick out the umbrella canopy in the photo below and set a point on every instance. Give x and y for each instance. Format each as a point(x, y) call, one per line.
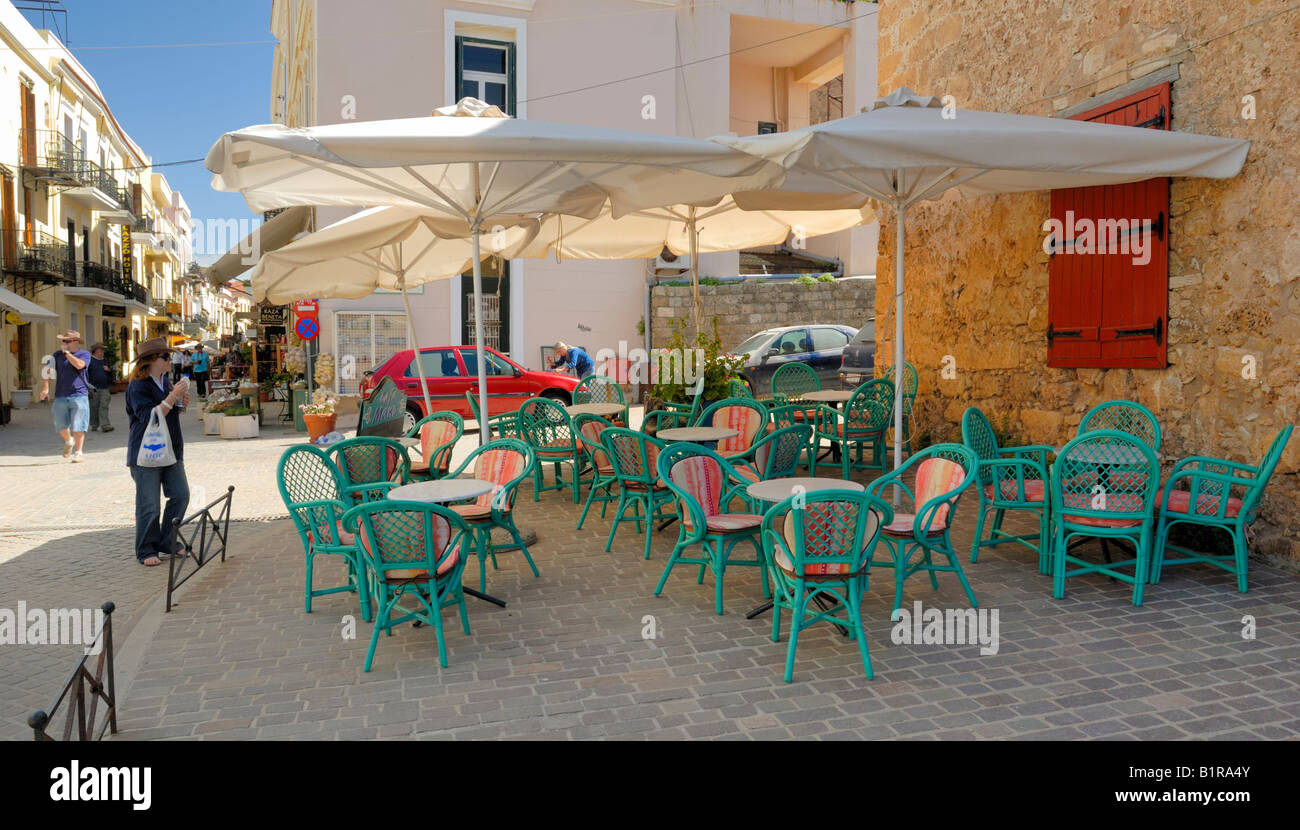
point(272, 234)
point(388, 248)
point(470, 162)
point(907, 148)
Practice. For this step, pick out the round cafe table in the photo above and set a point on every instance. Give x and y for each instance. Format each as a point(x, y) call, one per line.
point(836, 398)
point(776, 490)
point(704, 436)
point(604, 410)
point(444, 490)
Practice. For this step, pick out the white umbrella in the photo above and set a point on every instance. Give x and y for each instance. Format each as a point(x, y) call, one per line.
point(389, 248)
point(684, 229)
point(906, 149)
point(481, 168)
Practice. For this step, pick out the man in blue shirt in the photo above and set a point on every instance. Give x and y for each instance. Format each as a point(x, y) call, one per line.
point(199, 366)
point(572, 357)
point(100, 375)
point(71, 406)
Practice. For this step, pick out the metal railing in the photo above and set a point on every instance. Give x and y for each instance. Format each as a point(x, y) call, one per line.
point(207, 532)
point(109, 278)
point(65, 164)
point(36, 253)
point(143, 226)
point(87, 689)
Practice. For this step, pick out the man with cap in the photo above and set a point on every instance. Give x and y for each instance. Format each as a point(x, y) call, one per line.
point(71, 407)
point(572, 357)
point(100, 375)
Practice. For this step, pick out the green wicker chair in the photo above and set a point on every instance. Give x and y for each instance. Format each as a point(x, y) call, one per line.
point(675, 413)
point(863, 421)
point(633, 456)
point(909, 397)
point(943, 473)
point(416, 551)
point(312, 490)
point(745, 415)
point(601, 389)
point(791, 381)
point(1210, 484)
point(776, 455)
point(1124, 416)
point(1010, 478)
point(699, 477)
point(588, 429)
point(548, 430)
point(818, 548)
point(504, 463)
point(503, 425)
point(438, 434)
point(370, 466)
point(1104, 485)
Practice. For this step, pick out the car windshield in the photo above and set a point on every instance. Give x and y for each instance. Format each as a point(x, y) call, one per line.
point(754, 343)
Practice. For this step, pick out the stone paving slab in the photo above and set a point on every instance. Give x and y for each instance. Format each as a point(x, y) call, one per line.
point(566, 660)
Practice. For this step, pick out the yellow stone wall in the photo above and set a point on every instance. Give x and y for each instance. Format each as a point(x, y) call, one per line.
point(976, 275)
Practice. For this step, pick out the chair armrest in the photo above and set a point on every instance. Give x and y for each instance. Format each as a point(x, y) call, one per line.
point(1038, 452)
point(1226, 480)
point(674, 419)
point(1018, 470)
point(891, 480)
point(1204, 463)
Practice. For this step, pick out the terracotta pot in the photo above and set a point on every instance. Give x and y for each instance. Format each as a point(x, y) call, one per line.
point(318, 425)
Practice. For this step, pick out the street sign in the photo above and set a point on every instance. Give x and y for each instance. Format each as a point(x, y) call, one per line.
point(306, 308)
point(274, 315)
point(308, 328)
point(384, 412)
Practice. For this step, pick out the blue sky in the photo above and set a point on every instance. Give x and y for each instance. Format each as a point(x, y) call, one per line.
point(174, 102)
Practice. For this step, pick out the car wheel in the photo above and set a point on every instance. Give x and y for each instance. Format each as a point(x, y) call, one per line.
point(559, 396)
point(409, 419)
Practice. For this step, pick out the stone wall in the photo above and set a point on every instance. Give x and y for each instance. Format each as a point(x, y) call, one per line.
point(746, 308)
point(977, 277)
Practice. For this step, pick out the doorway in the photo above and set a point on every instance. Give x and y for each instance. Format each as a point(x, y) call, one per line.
point(496, 306)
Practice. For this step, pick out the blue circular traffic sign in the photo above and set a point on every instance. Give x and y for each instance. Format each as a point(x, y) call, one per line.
point(308, 328)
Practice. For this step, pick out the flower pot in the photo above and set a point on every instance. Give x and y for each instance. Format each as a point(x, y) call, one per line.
point(264, 396)
point(21, 398)
point(318, 425)
point(212, 423)
point(238, 426)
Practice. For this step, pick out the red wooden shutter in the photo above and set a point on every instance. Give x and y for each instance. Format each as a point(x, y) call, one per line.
point(1104, 309)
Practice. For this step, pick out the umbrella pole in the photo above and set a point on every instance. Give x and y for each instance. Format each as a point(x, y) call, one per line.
point(478, 336)
point(695, 273)
point(415, 341)
point(901, 212)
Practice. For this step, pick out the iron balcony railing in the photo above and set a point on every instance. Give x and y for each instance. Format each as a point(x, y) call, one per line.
point(143, 226)
point(35, 254)
point(109, 278)
point(59, 160)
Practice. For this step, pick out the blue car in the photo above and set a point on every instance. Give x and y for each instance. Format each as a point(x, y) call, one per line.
point(819, 346)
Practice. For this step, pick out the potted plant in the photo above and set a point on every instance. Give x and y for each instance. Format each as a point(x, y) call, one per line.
point(212, 416)
point(319, 416)
point(22, 394)
point(717, 368)
point(113, 357)
point(238, 422)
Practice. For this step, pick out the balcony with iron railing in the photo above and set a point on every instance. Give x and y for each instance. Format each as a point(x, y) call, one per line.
point(110, 278)
point(58, 161)
point(35, 255)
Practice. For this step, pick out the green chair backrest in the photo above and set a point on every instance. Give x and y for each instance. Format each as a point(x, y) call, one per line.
point(543, 424)
point(436, 450)
point(634, 455)
point(826, 533)
point(370, 460)
point(407, 536)
point(1123, 416)
point(937, 492)
point(588, 428)
point(1105, 475)
point(598, 389)
point(504, 462)
point(776, 455)
point(871, 407)
point(312, 490)
point(792, 381)
point(977, 433)
point(746, 415)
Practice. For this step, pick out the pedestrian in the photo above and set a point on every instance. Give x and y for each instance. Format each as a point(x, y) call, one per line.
point(200, 366)
point(176, 365)
point(149, 388)
point(572, 357)
point(185, 363)
point(71, 407)
point(100, 376)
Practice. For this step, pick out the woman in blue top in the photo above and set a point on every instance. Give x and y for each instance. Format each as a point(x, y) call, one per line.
point(572, 357)
point(151, 387)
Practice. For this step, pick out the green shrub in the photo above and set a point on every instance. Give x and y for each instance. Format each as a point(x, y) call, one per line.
point(805, 279)
point(826, 278)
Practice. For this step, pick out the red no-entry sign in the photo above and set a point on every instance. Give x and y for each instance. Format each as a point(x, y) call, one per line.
point(308, 328)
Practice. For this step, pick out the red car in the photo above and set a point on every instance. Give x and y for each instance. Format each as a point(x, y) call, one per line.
point(451, 371)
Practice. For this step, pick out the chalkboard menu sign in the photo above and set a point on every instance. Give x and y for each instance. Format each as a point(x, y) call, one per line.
point(384, 412)
point(273, 315)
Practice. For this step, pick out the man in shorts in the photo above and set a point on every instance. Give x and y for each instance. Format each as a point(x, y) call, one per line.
point(71, 406)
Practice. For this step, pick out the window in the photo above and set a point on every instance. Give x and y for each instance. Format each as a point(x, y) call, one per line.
point(368, 340)
point(496, 367)
point(438, 363)
point(826, 339)
point(753, 344)
point(1108, 289)
point(485, 69)
point(766, 127)
point(793, 342)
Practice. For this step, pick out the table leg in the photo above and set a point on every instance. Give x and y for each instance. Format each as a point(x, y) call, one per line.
point(485, 597)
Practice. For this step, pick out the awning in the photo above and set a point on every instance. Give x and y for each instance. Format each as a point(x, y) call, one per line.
point(270, 235)
point(25, 308)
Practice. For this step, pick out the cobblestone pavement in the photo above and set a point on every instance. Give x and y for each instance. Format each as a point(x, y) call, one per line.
point(567, 659)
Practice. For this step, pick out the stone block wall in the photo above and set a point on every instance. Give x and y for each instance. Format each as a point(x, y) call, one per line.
point(976, 275)
point(746, 308)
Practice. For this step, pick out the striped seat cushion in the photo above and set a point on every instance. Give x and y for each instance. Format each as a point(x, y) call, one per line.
point(1034, 490)
point(1078, 509)
point(727, 522)
point(1206, 504)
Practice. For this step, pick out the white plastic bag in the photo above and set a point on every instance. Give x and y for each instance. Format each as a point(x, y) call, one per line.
point(156, 446)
